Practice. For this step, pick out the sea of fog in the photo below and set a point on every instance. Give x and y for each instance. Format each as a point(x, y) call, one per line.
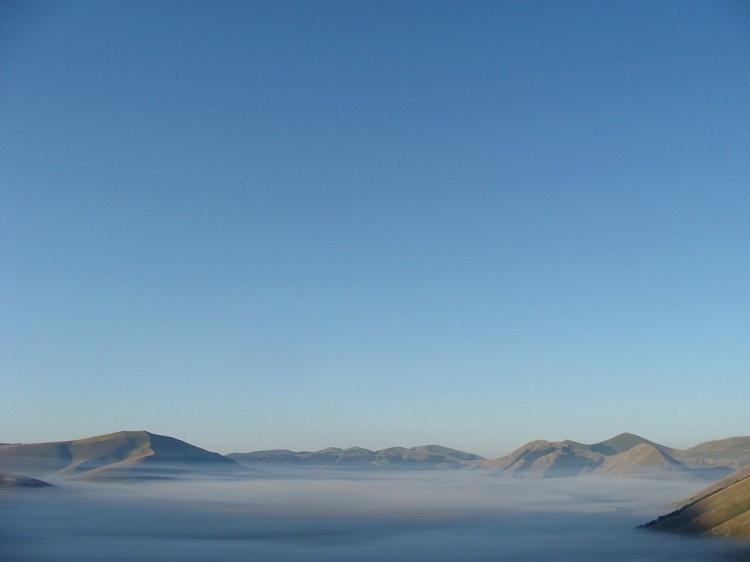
point(345, 515)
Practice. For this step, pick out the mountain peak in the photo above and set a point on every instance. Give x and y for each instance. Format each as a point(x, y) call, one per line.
point(621, 443)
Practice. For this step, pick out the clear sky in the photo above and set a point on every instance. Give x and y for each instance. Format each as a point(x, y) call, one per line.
point(295, 225)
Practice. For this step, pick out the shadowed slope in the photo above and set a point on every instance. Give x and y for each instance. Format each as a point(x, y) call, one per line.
point(20, 481)
point(625, 442)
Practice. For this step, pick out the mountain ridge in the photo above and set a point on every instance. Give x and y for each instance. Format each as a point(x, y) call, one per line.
point(625, 454)
point(425, 455)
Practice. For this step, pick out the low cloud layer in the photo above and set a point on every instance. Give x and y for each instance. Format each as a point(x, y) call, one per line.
point(335, 515)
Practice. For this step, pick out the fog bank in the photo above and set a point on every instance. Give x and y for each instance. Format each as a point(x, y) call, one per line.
point(336, 515)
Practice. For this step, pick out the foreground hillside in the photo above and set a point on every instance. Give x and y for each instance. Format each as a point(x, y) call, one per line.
point(114, 454)
point(722, 509)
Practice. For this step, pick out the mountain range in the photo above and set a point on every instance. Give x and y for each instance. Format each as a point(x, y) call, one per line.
point(425, 456)
point(625, 454)
point(129, 453)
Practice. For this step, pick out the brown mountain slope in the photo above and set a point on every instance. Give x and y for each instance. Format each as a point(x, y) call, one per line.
point(722, 509)
point(548, 458)
point(642, 460)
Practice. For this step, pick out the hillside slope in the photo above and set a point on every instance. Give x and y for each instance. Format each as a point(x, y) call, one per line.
point(643, 460)
point(722, 509)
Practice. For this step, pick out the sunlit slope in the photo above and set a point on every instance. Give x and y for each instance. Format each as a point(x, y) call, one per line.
point(104, 452)
point(643, 459)
point(547, 458)
point(722, 509)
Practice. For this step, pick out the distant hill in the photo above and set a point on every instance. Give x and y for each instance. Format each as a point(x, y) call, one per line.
point(425, 456)
point(107, 455)
point(722, 509)
point(332, 456)
point(547, 458)
point(733, 452)
point(644, 459)
point(625, 454)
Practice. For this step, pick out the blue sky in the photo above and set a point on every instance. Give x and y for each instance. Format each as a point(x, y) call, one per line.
point(296, 225)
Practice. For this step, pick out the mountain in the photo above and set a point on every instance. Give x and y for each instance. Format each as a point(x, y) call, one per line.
point(108, 455)
point(644, 459)
point(625, 442)
point(425, 456)
point(625, 454)
point(722, 509)
point(547, 458)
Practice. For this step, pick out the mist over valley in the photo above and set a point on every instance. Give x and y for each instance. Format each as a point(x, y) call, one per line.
point(345, 514)
point(141, 496)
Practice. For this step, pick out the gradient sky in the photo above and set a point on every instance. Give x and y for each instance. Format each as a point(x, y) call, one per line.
point(296, 225)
